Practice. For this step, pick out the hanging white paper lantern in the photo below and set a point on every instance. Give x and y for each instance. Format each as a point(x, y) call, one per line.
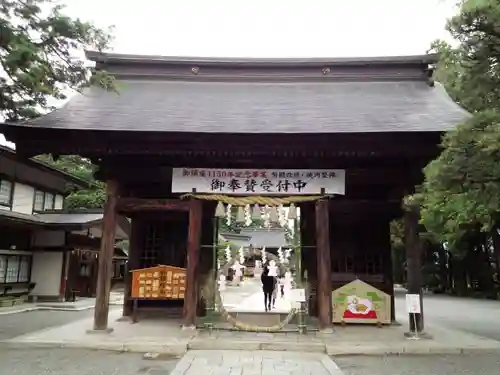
point(256, 213)
point(248, 216)
point(228, 253)
point(219, 210)
point(240, 216)
point(265, 216)
point(292, 212)
point(263, 255)
point(222, 283)
point(273, 269)
point(228, 214)
point(282, 219)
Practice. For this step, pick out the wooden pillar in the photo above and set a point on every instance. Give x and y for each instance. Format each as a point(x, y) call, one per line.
point(193, 246)
point(324, 286)
point(387, 265)
point(414, 265)
point(106, 257)
point(134, 253)
point(308, 254)
point(63, 292)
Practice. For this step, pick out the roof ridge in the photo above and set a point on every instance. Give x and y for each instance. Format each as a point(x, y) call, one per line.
point(106, 57)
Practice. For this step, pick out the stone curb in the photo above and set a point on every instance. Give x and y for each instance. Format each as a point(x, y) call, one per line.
point(18, 311)
point(407, 350)
point(212, 344)
point(181, 348)
point(133, 347)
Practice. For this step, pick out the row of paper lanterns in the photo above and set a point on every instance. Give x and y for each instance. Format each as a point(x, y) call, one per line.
point(283, 255)
point(256, 212)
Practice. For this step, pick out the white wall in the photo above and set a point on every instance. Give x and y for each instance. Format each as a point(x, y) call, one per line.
point(48, 238)
point(59, 202)
point(46, 273)
point(22, 201)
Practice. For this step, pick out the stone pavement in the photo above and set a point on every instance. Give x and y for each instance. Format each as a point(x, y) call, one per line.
point(15, 325)
point(51, 361)
point(166, 336)
point(251, 298)
point(477, 364)
point(235, 362)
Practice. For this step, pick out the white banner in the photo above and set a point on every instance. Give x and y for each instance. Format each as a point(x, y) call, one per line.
point(259, 181)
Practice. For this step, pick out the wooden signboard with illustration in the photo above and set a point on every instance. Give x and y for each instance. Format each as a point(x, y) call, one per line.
point(157, 283)
point(359, 302)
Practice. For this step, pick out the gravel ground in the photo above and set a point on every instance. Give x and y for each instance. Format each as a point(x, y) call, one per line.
point(481, 364)
point(13, 325)
point(80, 362)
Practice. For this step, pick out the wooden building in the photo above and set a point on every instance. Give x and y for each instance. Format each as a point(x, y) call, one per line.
point(379, 119)
point(46, 251)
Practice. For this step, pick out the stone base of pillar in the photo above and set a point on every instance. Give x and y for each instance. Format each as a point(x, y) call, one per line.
point(420, 335)
point(100, 331)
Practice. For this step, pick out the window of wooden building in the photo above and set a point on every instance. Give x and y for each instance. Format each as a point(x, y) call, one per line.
point(15, 268)
point(43, 201)
point(6, 189)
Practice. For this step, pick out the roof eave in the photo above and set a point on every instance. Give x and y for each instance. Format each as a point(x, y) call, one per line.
point(48, 168)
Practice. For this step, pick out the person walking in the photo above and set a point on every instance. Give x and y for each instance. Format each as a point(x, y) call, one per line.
point(268, 287)
point(275, 291)
point(282, 286)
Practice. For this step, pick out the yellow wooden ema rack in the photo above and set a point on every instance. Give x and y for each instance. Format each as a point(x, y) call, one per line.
point(160, 282)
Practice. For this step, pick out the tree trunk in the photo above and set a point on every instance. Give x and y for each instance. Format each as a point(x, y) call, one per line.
point(459, 277)
point(495, 236)
point(443, 269)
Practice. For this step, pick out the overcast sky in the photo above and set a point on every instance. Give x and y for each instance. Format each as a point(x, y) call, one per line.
point(269, 28)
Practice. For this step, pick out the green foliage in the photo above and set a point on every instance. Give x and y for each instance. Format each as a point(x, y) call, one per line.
point(92, 197)
point(461, 192)
point(471, 71)
point(37, 46)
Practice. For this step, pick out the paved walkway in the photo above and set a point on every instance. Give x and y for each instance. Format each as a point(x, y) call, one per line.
point(234, 362)
point(248, 297)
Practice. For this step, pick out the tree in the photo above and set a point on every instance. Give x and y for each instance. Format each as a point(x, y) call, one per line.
point(38, 70)
point(462, 186)
point(460, 197)
point(37, 47)
point(92, 197)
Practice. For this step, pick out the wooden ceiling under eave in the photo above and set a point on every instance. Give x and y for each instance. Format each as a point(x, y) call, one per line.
point(254, 147)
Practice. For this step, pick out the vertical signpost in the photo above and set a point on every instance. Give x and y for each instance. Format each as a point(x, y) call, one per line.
point(413, 308)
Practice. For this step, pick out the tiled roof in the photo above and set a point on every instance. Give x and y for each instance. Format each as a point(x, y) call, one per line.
point(266, 237)
point(260, 107)
point(77, 220)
